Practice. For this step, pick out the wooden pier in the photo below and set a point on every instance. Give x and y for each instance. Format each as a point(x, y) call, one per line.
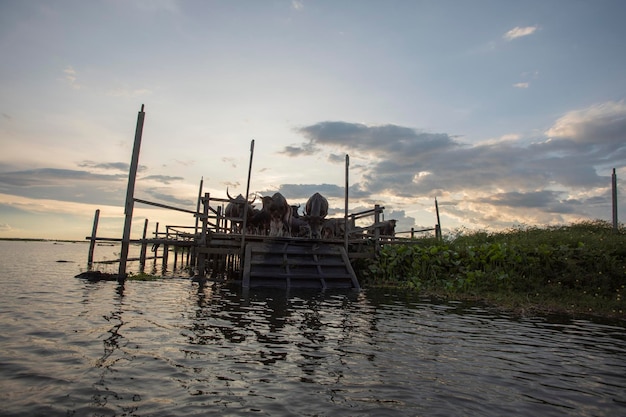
point(210, 247)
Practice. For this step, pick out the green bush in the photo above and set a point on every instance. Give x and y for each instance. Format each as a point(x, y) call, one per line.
point(582, 261)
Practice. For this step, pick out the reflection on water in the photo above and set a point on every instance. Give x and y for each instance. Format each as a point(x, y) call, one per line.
point(171, 347)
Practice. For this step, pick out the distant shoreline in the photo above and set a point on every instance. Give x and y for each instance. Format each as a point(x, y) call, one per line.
point(24, 239)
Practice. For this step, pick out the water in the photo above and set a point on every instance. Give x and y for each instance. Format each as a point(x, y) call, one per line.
point(173, 348)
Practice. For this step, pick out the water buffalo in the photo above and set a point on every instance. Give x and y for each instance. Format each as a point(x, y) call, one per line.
point(386, 228)
point(279, 214)
point(299, 228)
point(333, 228)
point(235, 210)
point(315, 211)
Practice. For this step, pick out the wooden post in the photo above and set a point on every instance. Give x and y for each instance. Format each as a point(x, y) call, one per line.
point(202, 243)
point(130, 202)
point(144, 245)
point(345, 214)
point(614, 198)
point(195, 236)
point(92, 242)
point(376, 228)
point(166, 250)
point(155, 247)
point(244, 225)
point(438, 227)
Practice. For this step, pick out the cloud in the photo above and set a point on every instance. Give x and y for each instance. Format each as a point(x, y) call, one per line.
point(52, 176)
point(519, 32)
point(164, 196)
point(337, 159)
point(5, 227)
point(165, 179)
point(113, 166)
point(70, 77)
point(304, 191)
point(65, 185)
point(530, 75)
point(601, 124)
point(377, 141)
point(231, 161)
point(297, 5)
point(546, 200)
point(302, 150)
point(538, 180)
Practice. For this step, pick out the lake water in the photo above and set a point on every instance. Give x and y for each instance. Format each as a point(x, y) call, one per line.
point(173, 348)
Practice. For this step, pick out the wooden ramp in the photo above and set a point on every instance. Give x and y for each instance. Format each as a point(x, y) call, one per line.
point(297, 264)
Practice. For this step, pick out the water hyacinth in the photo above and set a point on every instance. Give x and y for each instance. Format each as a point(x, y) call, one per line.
point(580, 267)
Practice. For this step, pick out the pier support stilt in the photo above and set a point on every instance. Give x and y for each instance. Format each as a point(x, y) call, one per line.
point(130, 202)
point(92, 242)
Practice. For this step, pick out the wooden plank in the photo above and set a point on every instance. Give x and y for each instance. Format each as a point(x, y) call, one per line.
point(297, 262)
point(151, 203)
point(291, 250)
point(296, 276)
point(288, 264)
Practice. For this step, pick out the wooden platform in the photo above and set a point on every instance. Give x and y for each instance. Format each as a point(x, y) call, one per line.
point(285, 263)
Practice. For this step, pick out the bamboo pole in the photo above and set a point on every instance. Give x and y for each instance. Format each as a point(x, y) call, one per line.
point(245, 207)
point(438, 228)
point(201, 257)
point(128, 208)
point(193, 256)
point(614, 198)
point(92, 243)
point(165, 258)
point(156, 247)
point(345, 215)
point(376, 228)
point(144, 245)
point(165, 206)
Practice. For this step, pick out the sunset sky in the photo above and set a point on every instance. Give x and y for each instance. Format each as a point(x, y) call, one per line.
point(508, 112)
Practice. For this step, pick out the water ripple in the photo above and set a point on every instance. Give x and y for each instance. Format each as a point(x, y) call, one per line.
point(170, 347)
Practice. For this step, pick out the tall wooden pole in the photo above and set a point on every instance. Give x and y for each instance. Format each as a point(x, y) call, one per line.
point(438, 228)
point(345, 215)
point(144, 247)
point(130, 202)
point(198, 204)
point(92, 242)
point(614, 195)
point(196, 239)
point(245, 211)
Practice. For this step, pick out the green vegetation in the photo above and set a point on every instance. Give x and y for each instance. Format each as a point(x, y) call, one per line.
point(579, 268)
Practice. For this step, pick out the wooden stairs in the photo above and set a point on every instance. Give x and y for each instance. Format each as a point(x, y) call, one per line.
point(297, 264)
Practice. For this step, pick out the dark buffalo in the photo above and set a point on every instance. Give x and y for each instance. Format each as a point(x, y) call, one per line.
point(294, 211)
point(333, 228)
point(259, 224)
point(279, 214)
point(315, 211)
point(299, 228)
point(234, 210)
point(386, 228)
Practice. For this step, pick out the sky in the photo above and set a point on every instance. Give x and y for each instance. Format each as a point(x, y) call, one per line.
point(508, 113)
